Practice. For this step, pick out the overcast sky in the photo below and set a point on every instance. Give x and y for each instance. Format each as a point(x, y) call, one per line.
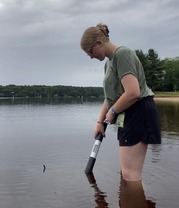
point(40, 39)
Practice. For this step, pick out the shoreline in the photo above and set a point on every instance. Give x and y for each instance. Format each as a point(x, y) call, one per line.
point(171, 99)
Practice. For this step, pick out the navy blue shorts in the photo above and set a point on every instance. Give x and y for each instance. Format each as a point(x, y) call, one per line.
point(140, 123)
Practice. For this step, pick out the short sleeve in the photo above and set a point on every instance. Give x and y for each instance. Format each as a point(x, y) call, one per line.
point(125, 63)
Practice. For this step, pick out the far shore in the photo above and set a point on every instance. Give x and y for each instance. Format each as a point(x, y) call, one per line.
point(172, 99)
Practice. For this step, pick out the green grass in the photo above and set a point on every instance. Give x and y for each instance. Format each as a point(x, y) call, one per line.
point(167, 94)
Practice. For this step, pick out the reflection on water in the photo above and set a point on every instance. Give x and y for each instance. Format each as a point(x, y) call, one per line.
point(169, 116)
point(131, 194)
point(42, 101)
point(99, 196)
point(168, 111)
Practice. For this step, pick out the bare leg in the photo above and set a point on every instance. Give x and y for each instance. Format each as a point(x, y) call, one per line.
point(132, 160)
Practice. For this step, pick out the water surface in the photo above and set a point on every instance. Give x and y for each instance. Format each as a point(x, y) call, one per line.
point(59, 135)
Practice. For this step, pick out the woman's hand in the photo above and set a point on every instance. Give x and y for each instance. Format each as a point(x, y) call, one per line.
point(99, 129)
point(110, 117)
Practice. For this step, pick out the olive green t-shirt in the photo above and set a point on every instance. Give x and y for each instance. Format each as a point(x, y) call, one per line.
point(123, 62)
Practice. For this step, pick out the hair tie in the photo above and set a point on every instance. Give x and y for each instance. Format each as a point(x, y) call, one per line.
point(105, 31)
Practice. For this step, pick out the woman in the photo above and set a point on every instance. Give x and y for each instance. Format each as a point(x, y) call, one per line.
point(128, 100)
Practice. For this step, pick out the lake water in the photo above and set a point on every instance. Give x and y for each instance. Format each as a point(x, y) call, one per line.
point(58, 134)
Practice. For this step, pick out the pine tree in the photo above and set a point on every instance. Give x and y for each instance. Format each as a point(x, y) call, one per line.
point(154, 71)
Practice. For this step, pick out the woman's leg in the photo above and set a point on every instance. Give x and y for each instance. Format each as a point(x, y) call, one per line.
point(132, 160)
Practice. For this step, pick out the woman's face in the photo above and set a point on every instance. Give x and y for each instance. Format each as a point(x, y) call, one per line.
point(97, 51)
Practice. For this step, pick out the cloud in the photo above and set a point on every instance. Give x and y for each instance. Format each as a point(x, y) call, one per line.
point(40, 40)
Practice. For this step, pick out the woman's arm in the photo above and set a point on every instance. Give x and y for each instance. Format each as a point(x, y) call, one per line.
point(99, 126)
point(103, 112)
point(128, 98)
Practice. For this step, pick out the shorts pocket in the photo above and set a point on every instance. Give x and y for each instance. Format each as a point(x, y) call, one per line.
point(124, 137)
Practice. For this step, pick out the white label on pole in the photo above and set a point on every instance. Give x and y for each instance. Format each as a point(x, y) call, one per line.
point(95, 149)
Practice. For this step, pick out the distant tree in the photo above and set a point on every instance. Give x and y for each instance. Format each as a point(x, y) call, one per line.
point(171, 79)
point(50, 91)
point(154, 71)
point(143, 58)
point(153, 68)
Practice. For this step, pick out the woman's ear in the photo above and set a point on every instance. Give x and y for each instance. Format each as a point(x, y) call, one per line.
point(100, 43)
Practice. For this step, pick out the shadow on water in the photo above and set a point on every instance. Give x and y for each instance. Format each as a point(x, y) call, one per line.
point(131, 195)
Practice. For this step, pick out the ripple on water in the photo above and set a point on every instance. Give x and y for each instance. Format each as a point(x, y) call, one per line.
point(160, 174)
point(13, 186)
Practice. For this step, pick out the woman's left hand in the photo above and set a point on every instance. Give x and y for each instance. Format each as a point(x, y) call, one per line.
point(109, 117)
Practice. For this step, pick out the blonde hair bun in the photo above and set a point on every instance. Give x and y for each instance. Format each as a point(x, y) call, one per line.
point(103, 28)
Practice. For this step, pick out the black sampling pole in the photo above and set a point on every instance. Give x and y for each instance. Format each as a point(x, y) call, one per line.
point(94, 152)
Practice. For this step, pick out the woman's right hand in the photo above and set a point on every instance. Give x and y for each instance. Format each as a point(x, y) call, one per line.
point(99, 129)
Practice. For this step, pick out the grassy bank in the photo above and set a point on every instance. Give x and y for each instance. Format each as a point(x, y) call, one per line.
point(167, 94)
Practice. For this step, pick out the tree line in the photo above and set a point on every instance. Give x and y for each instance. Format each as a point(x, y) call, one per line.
point(50, 91)
point(161, 75)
